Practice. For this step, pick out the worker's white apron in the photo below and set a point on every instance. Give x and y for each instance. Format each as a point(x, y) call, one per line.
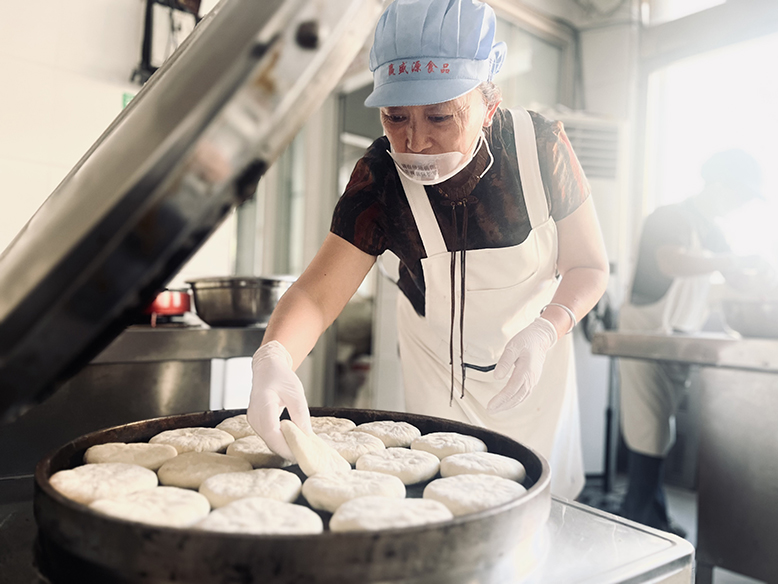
point(652, 390)
point(505, 291)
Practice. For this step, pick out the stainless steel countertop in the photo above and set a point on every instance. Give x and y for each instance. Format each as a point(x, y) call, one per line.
point(144, 344)
point(707, 349)
point(589, 546)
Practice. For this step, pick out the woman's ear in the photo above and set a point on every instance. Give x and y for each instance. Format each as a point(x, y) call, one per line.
point(490, 113)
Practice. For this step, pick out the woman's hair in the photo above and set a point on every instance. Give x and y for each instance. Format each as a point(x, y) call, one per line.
point(490, 92)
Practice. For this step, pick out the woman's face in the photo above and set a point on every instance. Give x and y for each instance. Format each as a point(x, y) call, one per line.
point(451, 126)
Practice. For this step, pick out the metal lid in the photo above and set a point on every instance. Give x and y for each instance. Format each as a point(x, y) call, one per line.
point(190, 146)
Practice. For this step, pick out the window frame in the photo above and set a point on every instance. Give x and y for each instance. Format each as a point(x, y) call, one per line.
point(555, 32)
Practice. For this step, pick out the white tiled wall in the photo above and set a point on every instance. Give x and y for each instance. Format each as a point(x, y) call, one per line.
point(65, 67)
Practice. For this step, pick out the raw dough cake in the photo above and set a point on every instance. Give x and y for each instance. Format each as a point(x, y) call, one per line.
point(410, 466)
point(329, 424)
point(254, 449)
point(312, 453)
point(469, 493)
point(443, 444)
point(391, 433)
point(271, 483)
point(352, 445)
point(263, 516)
point(167, 506)
point(328, 491)
point(482, 463)
point(150, 456)
point(194, 439)
point(375, 513)
point(91, 482)
point(238, 426)
point(190, 469)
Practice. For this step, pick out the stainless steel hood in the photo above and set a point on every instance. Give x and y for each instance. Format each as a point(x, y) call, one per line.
point(190, 146)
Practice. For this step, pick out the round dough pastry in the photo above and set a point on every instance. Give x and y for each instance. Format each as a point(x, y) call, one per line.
point(91, 482)
point(391, 433)
point(328, 491)
point(375, 513)
point(263, 516)
point(271, 483)
point(468, 493)
point(238, 426)
point(443, 444)
point(195, 439)
point(313, 455)
point(254, 449)
point(150, 456)
point(482, 463)
point(410, 466)
point(167, 506)
point(352, 445)
point(190, 469)
point(329, 424)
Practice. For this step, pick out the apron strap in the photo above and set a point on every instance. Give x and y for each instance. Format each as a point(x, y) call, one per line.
point(529, 167)
point(427, 224)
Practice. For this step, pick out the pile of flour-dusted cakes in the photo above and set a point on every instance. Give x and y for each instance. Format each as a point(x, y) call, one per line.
point(226, 479)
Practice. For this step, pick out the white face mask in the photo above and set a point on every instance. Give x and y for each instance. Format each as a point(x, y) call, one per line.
point(431, 169)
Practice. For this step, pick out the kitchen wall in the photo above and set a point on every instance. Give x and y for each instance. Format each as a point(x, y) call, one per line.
point(66, 69)
point(65, 66)
point(609, 60)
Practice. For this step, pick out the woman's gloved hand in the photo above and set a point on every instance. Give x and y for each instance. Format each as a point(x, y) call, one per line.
point(526, 353)
point(274, 387)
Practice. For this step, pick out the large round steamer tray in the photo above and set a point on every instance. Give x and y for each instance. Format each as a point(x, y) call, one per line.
point(76, 544)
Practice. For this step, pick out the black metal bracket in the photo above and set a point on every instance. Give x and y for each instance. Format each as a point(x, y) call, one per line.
point(145, 69)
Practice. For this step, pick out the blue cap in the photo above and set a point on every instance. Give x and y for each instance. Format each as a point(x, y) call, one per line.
point(431, 51)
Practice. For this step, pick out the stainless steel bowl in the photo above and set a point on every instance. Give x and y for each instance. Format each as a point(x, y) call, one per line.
point(238, 300)
point(752, 318)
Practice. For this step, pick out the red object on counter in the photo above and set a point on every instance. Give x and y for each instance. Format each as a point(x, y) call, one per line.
point(169, 303)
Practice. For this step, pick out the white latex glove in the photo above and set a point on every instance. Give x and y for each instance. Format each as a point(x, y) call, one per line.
point(275, 386)
point(526, 353)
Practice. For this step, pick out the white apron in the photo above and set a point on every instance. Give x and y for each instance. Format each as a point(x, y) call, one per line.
point(652, 390)
point(505, 291)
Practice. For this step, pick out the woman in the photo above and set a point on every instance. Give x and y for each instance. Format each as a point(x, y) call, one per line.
point(486, 209)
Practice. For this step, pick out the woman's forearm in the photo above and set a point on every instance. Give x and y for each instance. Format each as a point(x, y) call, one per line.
point(579, 290)
point(676, 261)
point(316, 299)
point(296, 322)
point(583, 263)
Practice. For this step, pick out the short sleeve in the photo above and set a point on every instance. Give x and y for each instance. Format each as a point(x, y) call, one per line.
point(665, 226)
point(563, 177)
point(358, 215)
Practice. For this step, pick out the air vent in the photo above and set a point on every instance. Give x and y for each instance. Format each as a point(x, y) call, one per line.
point(597, 147)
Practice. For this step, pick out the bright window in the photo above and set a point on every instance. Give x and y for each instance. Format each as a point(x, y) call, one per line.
point(665, 10)
point(532, 68)
point(720, 100)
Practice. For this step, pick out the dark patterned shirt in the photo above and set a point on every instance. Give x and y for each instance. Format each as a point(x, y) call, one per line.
point(374, 215)
point(675, 225)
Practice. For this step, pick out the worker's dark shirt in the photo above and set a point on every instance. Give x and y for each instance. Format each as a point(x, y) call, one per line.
point(670, 225)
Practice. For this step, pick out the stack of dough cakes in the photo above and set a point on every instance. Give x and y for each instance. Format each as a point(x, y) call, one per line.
point(345, 477)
